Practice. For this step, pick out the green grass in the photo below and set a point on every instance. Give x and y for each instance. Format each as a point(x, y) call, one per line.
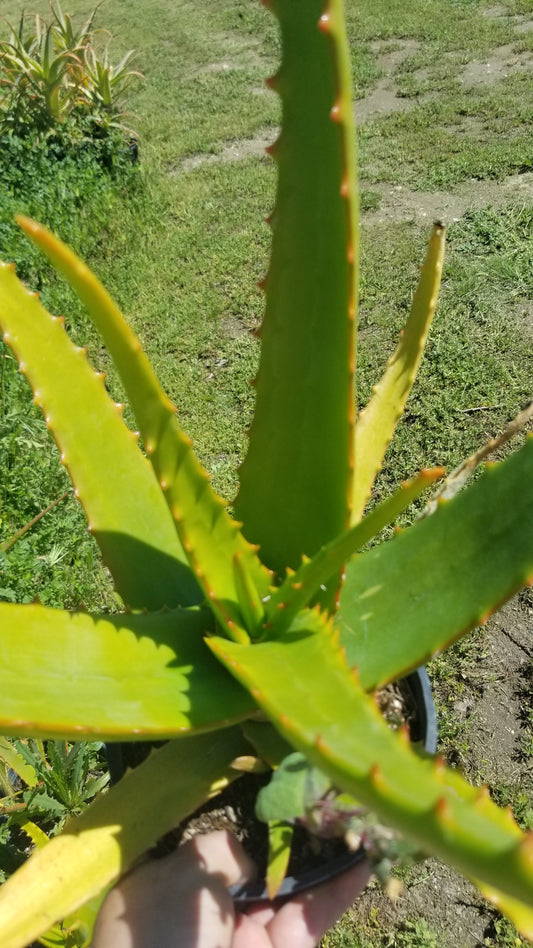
point(414, 933)
point(182, 253)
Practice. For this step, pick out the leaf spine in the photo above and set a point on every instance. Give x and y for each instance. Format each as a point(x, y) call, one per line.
point(404, 734)
point(376, 777)
point(272, 82)
point(482, 794)
point(336, 114)
point(324, 23)
point(273, 149)
point(443, 810)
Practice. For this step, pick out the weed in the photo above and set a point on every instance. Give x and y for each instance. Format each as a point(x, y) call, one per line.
point(52, 781)
point(503, 935)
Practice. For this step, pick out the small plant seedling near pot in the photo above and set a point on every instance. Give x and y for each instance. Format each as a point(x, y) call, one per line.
point(227, 620)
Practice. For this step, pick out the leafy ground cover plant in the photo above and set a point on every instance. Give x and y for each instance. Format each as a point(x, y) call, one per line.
point(242, 631)
point(43, 784)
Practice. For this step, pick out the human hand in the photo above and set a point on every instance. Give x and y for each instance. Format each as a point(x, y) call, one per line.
point(182, 901)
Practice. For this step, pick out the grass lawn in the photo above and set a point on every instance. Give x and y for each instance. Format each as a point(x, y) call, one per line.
point(445, 91)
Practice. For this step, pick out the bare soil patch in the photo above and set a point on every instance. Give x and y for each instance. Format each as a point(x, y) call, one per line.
point(237, 150)
point(401, 204)
point(522, 24)
point(384, 98)
point(502, 62)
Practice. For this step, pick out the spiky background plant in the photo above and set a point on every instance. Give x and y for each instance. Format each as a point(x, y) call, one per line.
point(225, 618)
point(50, 72)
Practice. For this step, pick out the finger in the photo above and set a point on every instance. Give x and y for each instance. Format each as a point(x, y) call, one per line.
point(218, 854)
point(250, 933)
point(302, 921)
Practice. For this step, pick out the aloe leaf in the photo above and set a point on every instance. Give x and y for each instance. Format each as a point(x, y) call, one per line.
point(266, 741)
point(520, 913)
point(34, 832)
point(297, 469)
point(376, 423)
point(114, 482)
point(207, 532)
point(309, 693)
point(111, 677)
point(97, 847)
point(409, 597)
point(279, 852)
point(300, 587)
point(14, 760)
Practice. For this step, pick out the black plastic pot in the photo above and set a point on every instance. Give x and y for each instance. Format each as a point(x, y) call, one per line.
point(250, 893)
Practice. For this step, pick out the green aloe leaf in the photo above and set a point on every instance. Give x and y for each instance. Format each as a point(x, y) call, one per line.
point(300, 587)
point(520, 913)
point(208, 534)
point(115, 483)
point(112, 677)
point(308, 691)
point(14, 760)
point(376, 423)
point(409, 597)
point(280, 836)
point(97, 847)
point(297, 469)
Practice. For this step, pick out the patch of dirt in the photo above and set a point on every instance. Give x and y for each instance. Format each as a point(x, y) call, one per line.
point(522, 312)
point(239, 53)
point(497, 715)
point(233, 327)
point(502, 62)
point(401, 204)
point(497, 692)
point(518, 21)
point(383, 99)
point(236, 150)
point(451, 906)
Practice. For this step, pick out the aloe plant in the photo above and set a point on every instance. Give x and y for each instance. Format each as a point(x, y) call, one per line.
point(227, 618)
point(53, 72)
